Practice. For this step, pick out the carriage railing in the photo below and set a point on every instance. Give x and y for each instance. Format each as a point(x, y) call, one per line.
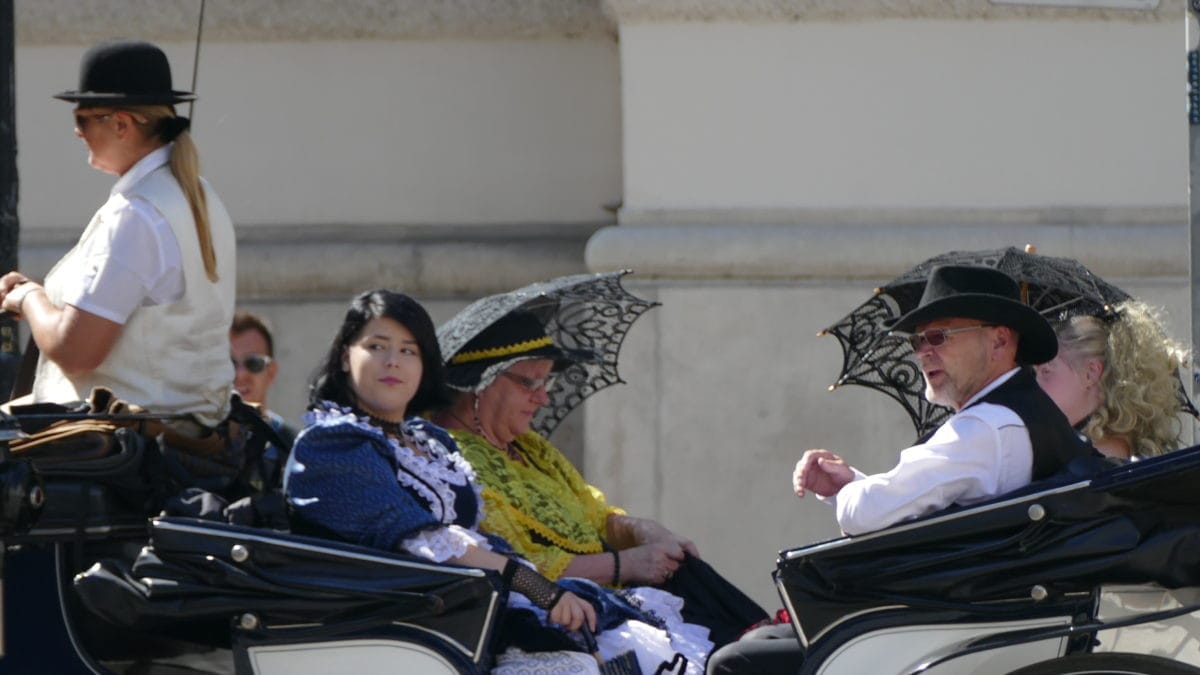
point(1062, 538)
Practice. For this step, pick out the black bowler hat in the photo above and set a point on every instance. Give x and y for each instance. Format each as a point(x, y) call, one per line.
point(517, 336)
point(125, 72)
point(986, 294)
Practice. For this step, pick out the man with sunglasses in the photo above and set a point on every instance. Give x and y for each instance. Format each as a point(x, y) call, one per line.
point(974, 341)
point(252, 350)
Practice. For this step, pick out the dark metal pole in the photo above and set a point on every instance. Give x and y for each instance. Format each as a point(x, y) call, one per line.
point(196, 63)
point(10, 358)
point(9, 227)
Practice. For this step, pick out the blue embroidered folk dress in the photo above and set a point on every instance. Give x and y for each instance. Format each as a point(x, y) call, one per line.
point(346, 478)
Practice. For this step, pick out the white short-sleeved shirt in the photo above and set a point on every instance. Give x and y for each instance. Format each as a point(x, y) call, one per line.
point(136, 261)
point(979, 453)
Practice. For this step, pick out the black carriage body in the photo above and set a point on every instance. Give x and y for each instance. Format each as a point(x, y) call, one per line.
point(1025, 569)
point(115, 588)
point(268, 595)
point(1042, 553)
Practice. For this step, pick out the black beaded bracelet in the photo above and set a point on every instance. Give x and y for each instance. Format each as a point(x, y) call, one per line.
point(616, 580)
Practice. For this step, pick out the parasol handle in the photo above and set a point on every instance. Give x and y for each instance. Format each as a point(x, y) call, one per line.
point(1029, 248)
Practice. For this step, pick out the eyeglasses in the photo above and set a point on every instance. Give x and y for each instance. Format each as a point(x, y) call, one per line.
point(255, 363)
point(82, 119)
point(529, 384)
point(936, 337)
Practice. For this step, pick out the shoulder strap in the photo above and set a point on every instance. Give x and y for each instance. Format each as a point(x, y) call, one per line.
point(23, 382)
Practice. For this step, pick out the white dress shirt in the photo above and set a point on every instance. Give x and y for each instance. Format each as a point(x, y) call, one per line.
point(173, 354)
point(135, 261)
point(979, 453)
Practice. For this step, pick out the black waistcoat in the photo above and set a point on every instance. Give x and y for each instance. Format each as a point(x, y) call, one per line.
point(1055, 443)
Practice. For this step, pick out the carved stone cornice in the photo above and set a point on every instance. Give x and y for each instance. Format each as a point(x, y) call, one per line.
point(784, 11)
point(49, 22)
point(334, 262)
point(1121, 243)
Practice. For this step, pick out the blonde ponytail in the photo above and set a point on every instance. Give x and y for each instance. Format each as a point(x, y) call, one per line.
point(185, 166)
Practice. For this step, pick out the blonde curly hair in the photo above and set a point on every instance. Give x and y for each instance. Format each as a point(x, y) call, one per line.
point(1140, 383)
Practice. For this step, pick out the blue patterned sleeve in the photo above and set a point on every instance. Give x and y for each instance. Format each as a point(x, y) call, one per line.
point(338, 478)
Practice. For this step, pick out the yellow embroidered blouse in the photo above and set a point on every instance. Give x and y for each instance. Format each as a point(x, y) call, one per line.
point(544, 508)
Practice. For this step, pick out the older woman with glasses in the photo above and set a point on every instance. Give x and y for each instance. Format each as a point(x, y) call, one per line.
point(536, 500)
point(142, 304)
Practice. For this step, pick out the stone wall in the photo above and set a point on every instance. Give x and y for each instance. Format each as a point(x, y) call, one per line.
point(762, 165)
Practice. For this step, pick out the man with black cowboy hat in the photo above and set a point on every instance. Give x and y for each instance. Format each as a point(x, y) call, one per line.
point(974, 341)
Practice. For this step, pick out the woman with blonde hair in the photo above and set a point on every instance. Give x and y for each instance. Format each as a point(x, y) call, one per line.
point(142, 304)
point(1117, 379)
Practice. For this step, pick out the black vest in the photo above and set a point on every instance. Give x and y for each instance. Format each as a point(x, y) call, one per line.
point(1055, 442)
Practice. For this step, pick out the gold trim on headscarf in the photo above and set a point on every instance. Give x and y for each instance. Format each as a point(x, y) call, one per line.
point(497, 352)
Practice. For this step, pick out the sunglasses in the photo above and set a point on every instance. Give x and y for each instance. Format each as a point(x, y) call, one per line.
point(529, 384)
point(255, 363)
point(936, 337)
point(82, 119)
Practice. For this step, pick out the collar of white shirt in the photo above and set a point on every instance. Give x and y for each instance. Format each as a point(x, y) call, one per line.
point(990, 386)
point(154, 159)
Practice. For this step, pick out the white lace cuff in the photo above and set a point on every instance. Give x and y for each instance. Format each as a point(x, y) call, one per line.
point(444, 543)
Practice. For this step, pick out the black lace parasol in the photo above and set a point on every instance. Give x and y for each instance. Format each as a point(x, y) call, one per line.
point(590, 312)
point(1057, 287)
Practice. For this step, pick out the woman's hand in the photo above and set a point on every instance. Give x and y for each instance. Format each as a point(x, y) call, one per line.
point(573, 611)
point(651, 531)
point(650, 563)
point(646, 531)
point(564, 607)
point(8, 283)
